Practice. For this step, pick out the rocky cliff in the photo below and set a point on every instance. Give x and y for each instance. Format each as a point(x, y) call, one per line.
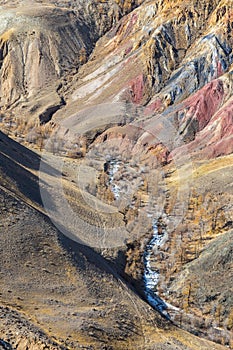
point(137, 96)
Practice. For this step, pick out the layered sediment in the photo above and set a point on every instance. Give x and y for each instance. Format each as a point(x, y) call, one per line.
point(137, 94)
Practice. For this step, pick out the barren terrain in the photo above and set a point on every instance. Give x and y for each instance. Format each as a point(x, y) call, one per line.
point(116, 174)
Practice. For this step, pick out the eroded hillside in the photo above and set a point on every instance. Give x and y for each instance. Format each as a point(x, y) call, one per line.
point(56, 294)
point(129, 104)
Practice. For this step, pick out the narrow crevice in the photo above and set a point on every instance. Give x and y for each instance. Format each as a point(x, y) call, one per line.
point(47, 115)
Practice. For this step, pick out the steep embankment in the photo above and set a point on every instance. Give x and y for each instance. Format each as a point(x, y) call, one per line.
point(56, 294)
point(42, 46)
point(181, 70)
point(178, 67)
point(155, 98)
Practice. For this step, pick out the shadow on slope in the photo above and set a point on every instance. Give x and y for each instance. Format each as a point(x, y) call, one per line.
point(16, 161)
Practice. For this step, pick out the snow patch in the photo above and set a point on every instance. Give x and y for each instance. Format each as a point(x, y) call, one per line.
point(151, 277)
point(114, 166)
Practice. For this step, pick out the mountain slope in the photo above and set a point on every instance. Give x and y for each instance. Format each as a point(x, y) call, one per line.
point(134, 99)
point(62, 295)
